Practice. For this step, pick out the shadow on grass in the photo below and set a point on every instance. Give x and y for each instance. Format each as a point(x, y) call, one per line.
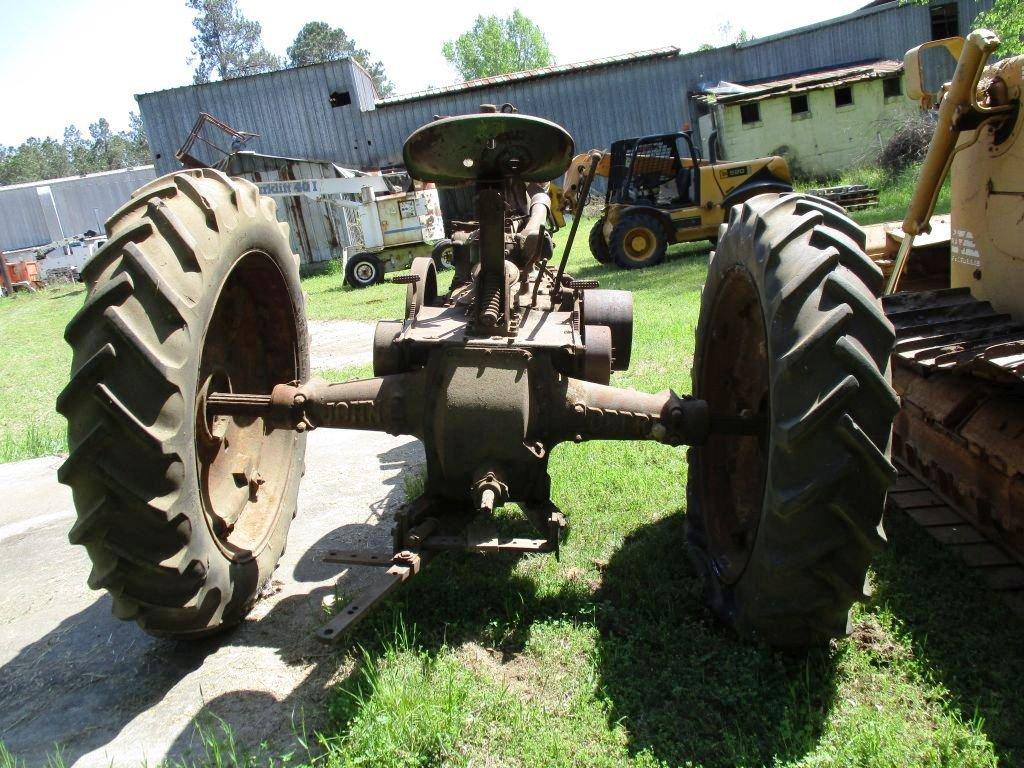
point(677, 256)
point(682, 687)
point(686, 688)
point(964, 636)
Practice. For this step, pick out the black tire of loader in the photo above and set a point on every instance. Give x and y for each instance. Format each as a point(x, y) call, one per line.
point(818, 508)
point(180, 245)
point(598, 245)
point(635, 224)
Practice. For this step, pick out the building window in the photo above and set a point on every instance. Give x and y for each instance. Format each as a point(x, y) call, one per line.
point(340, 99)
point(844, 96)
point(892, 87)
point(750, 113)
point(945, 21)
point(798, 104)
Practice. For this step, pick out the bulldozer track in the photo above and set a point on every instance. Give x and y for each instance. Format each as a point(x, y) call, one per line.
point(1001, 571)
point(951, 330)
point(959, 369)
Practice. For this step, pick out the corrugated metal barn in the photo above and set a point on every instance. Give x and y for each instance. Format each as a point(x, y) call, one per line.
point(41, 212)
point(330, 111)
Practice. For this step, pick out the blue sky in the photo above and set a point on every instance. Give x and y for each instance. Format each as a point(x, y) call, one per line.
point(73, 61)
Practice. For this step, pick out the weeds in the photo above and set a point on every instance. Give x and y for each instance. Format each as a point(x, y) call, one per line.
point(35, 440)
point(7, 760)
point(54, 759)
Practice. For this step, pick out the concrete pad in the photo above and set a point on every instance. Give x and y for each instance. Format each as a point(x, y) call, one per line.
point(108, 694)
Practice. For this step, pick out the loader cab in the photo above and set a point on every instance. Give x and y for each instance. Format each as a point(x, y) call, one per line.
point(658, 171)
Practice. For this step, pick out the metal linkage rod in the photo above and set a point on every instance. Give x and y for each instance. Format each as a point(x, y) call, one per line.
point(584, 194)
point(232, 404)
point(599, 412)
point(384, 404)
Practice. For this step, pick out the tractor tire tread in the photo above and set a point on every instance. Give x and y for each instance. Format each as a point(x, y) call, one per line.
point(831, 405)
point(598, 245)
point(135, 355)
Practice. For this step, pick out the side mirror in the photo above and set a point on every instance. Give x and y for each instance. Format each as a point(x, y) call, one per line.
point(923, 62)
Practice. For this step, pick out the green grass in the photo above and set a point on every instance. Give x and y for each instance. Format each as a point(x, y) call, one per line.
point(609, 657)
point(34, 366)
point(327, 298)
point(894, 192)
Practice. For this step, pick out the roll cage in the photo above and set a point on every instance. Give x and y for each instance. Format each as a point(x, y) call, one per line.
point(650, 170)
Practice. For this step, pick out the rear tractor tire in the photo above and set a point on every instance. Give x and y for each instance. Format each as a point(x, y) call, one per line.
point(637, 241)
point(784, 525)
point(197, 290)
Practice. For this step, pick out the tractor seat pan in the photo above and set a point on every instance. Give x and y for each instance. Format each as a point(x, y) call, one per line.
point(488, 147)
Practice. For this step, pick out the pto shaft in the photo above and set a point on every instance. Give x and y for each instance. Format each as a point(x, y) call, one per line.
point(400, 405)
point(384, 404)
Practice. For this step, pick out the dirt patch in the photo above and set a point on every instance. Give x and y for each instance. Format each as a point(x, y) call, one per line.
point(869, 635)
point(519, 672)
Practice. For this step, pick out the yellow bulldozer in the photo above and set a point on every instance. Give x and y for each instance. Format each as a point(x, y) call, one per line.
point(958, 363)
point(660, 191)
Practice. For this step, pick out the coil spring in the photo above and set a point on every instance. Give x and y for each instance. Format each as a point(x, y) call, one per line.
point(491, 304)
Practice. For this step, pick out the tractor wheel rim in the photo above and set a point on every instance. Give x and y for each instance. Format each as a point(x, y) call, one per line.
point(447, 258)
point(243, 468)
point(733, 478)
point(364, 272)
point(640, 243)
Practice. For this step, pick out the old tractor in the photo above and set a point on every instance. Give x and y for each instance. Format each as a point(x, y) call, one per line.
point(190, 396)
point(959, 355)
